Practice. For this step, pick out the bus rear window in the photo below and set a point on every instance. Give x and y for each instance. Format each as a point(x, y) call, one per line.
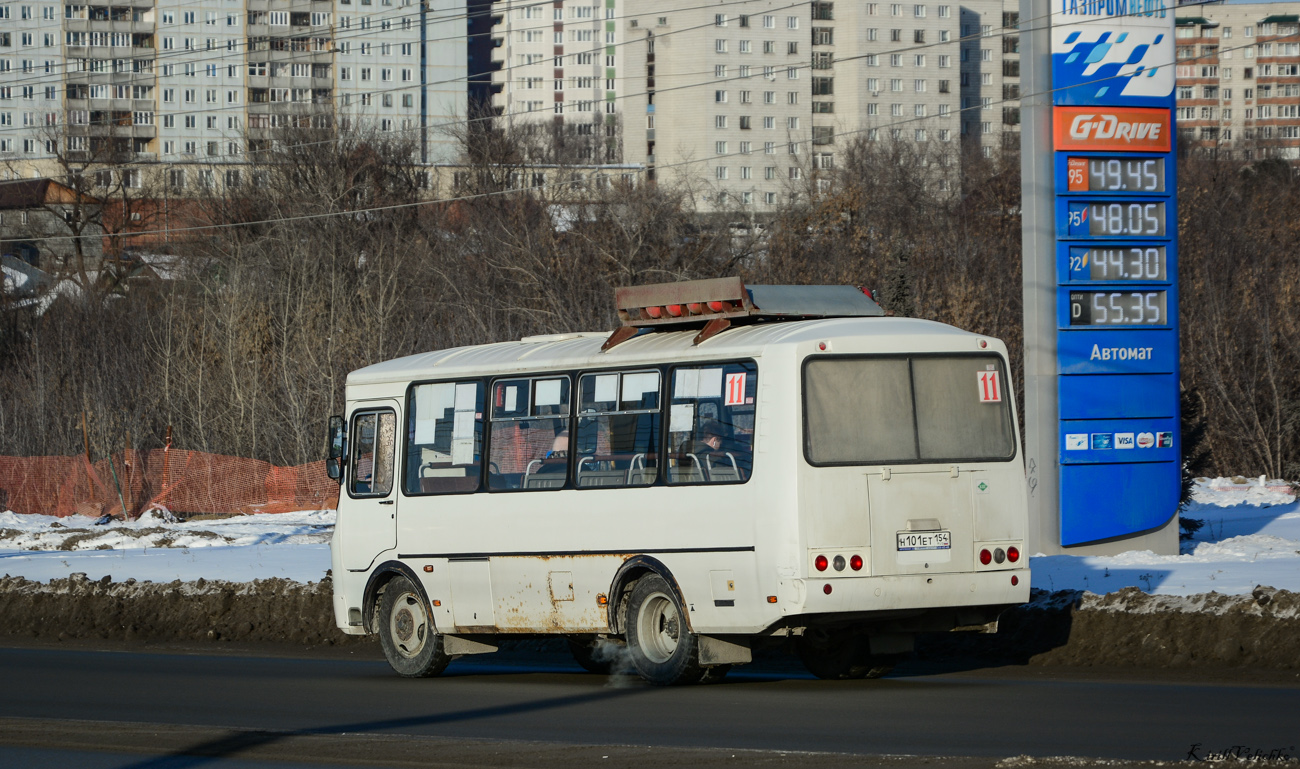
point(897, 409)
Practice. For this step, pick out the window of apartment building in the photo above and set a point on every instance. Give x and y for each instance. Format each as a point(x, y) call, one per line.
point(795, 172)
point(769, 22)
point(744, 122)
point(745, 97)
point(769, 122)
point(823, 36)
point(821, 86)
point(792, 48)
point(873, 109)
point(918, 110)
point(720, 46)
point(895, 59)
point(769, 46)
point(719, 148)
point(986, 128)
point(896, 84)
point(791, 22)
point(719, 121)
point(769, 172)
point(918, 36)
point(720, 173)
point(895, 35)
point(745, 46)
point(720, 97)
point(792, 73)
point(873, 34)
point(945, 11)
point(896, 9)
point(720, 70)
point(792, 123)
point(769, 97)
point(769, 148)
point(919, 60)
point(792, 97)
point(744, 20)
point(720, 20)
point(896, 110)
point(746, 148)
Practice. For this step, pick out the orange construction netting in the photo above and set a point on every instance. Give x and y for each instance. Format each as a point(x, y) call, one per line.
point(184, 482)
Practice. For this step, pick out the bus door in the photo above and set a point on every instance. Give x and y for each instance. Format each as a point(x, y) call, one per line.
point(367, 517)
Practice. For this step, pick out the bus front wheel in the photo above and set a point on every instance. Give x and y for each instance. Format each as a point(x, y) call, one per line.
point(664, 651)
point(407, 634)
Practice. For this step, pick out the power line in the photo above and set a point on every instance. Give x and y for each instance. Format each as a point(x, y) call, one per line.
point(477, 196)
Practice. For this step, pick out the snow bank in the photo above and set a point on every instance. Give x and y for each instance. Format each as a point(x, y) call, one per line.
point(1250, 536)
point(291, 546)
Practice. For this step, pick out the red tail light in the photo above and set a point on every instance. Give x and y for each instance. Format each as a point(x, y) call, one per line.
point(1015, 580)
point(986, 557)
point(674, 310)
point(821, 563)
point(1013, 554)
point(855, 563)
point(654, 312)
point(826, 588)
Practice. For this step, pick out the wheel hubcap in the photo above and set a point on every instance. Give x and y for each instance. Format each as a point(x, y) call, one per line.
point(408, 625)
point(658, 628)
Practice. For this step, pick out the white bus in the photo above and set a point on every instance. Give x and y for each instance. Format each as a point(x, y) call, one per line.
point(733, 467)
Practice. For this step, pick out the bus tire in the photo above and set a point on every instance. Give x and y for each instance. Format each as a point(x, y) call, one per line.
point(407, 634)
point(835, 655)
point(663, 650)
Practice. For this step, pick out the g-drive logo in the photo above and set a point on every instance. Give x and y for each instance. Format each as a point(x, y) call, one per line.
point(1110, 128)
point(1085, 127)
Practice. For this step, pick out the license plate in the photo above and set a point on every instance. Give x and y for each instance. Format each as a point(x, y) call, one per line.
point(924, 540)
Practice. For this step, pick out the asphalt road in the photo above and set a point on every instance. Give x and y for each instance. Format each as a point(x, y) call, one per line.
point(236, 710)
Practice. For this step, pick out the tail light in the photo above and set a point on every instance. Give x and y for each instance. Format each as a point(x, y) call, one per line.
point(821, 563)
point(1013, 554)
point(855, 563)
point(999, 555)
point(826, 588)
point(839, 563)
point(986, 557)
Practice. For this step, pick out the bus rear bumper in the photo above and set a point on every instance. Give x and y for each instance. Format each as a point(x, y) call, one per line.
point(839, 595)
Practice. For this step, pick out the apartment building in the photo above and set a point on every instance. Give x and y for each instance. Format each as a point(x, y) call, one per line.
point(186, 84)
point(990, 74)
point(557, 65)
point(740, 101)
point(1238, 80)
point(893, 70)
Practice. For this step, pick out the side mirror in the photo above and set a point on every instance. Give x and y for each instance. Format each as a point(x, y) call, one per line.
point(338, 448)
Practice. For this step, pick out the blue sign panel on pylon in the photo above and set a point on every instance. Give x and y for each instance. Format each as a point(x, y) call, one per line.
point(1117, 283)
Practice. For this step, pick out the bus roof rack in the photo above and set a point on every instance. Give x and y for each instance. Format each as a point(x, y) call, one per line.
point(718, 303)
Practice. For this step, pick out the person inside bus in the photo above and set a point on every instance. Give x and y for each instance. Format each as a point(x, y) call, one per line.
point(559, 446)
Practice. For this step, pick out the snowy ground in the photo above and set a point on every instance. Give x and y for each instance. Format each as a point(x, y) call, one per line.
point(1251, 536)
point(241, 548)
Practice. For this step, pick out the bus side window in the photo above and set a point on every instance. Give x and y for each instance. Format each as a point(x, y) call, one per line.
point(372, 455)
point(711, 423)
point(528, 447)
point(618, 430)
point(444, 447)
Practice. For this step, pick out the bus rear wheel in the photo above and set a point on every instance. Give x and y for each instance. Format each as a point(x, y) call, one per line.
point(664, 651)
point(839, 655)
point(407, 634)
